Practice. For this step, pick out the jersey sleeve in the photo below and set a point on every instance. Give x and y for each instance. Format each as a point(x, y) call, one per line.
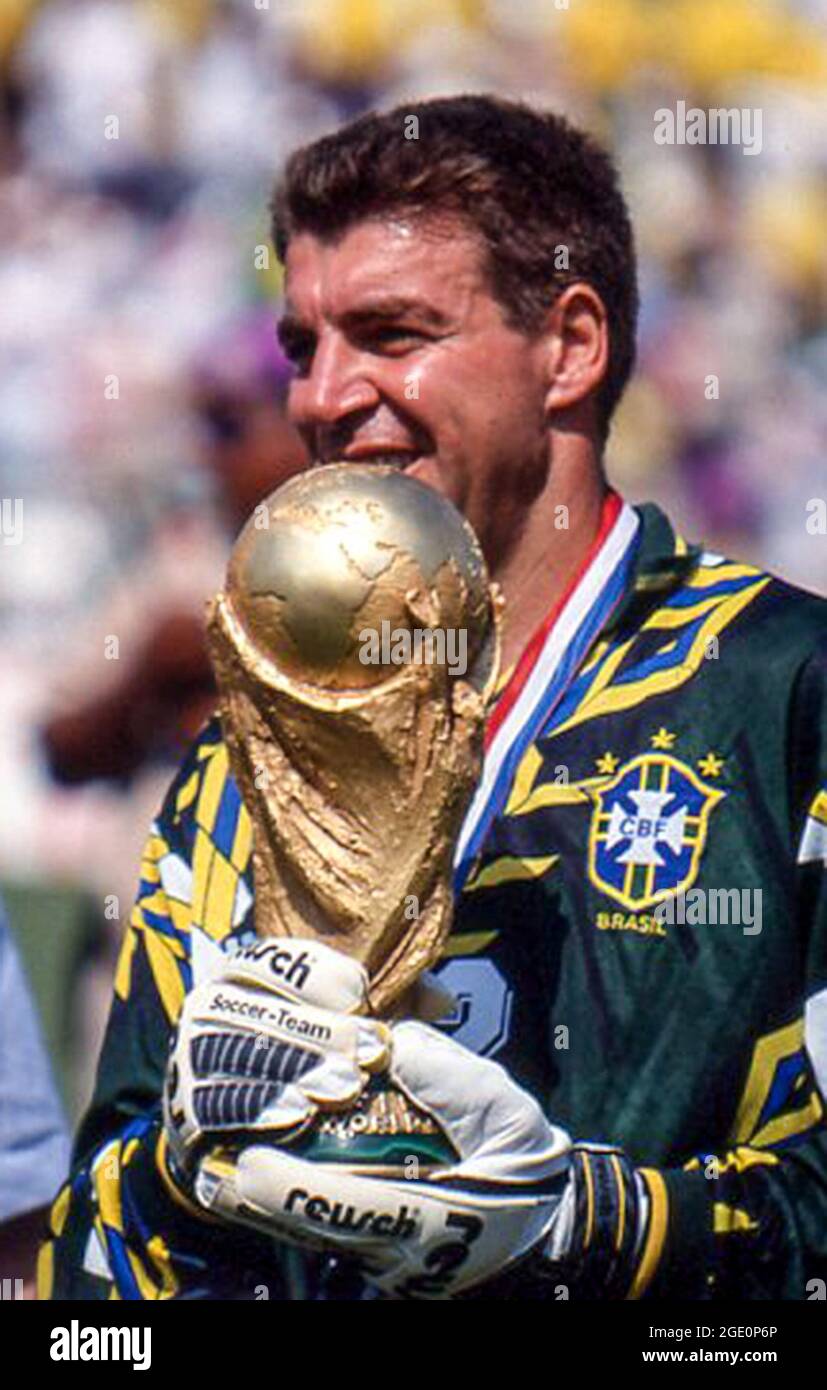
point(118, 1228)
point(752, 1223)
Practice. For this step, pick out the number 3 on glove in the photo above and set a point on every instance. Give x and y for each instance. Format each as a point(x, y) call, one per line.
point(430, 1238)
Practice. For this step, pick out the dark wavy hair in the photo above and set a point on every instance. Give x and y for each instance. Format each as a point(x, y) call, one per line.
point(525, 180)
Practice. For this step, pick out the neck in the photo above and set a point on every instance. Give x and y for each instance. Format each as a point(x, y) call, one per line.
point(548, 553)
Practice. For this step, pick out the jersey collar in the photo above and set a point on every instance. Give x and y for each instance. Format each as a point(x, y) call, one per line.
point(662, 565)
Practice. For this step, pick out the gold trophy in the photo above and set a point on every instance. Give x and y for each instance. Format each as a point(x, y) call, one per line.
point(355, 647)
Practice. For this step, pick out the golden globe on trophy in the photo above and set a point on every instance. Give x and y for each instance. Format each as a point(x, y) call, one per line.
point(355, 647)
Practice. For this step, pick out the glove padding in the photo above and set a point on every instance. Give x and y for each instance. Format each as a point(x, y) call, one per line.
point(270, 1039)
point(416, 1239)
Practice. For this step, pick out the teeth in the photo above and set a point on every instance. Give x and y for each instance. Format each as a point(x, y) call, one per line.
point(390, 459)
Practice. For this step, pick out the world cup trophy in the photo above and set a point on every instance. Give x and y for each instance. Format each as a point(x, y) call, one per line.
point(356, 742)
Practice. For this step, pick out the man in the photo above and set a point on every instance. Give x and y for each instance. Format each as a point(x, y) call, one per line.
point(463, 304)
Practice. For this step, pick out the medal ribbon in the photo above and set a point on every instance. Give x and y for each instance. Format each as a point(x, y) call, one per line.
point(546, 669)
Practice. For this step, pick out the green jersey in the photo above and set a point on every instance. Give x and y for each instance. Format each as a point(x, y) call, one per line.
point(642, 942)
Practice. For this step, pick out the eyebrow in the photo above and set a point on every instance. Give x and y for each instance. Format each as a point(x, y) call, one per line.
point(394, 307)
point(292, 331)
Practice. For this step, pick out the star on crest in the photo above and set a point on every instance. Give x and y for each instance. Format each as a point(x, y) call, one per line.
point(663, 738)
point(607, 764)
point(711, 765)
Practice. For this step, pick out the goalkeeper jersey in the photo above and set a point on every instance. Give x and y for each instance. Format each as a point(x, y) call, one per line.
point(640, 937)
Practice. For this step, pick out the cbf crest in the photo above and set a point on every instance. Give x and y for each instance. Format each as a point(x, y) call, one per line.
point(648, 830)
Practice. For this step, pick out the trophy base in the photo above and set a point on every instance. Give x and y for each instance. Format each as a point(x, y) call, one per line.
point(383, 1135)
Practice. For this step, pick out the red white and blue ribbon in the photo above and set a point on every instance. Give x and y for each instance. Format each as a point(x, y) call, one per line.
point(546, 669)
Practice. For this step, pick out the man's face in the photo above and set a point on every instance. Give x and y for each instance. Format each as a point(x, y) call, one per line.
point(404, 356)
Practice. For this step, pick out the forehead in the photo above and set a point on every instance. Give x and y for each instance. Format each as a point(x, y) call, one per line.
point(441, 266)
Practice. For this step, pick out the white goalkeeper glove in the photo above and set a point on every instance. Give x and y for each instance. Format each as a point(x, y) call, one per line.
point(431, 1238)
point(270, 1039)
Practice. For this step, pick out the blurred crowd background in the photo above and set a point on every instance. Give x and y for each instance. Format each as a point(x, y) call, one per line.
point(141, 388)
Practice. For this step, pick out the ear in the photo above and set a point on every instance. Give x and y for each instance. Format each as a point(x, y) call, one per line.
point(575, 347)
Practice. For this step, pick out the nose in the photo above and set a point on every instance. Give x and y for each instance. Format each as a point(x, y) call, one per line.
point(334, 386)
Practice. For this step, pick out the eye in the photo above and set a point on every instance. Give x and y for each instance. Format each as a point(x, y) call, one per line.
point(298, 346)
point(393, 336)
point(301, 359)
point(301, 354)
